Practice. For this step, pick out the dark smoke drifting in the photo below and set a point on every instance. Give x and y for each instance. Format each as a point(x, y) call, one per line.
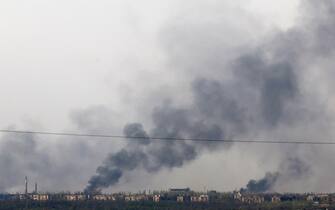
point(153, 156)
point(263, 94)
point(215, 110)
point(290, 169)
point(263, 185)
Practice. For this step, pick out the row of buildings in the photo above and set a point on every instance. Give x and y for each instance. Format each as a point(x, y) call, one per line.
point(126, 197)
point(254, 198)
point(177, 195)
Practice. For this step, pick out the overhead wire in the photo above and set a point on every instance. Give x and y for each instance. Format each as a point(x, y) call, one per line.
point(155, 138)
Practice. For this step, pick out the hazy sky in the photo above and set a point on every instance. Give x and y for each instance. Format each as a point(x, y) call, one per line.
point(59, 56)
point(94, 66)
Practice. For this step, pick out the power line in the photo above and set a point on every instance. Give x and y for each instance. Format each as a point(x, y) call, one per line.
point(142, 138)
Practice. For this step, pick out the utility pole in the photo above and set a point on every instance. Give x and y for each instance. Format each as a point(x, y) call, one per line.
point(26, 191)
point(35, 187)
point(26, 187)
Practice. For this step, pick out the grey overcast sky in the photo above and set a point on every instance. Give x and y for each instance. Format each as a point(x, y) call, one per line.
point(59, 56)
point(192, 68)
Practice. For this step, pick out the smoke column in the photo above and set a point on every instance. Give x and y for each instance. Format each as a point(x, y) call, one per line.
point(265, 95)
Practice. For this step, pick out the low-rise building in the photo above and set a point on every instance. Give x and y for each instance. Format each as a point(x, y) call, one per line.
point(40, 197)
point(275, 199)
point(252, 199)
point(200, 198)
point(74, 197)
point(156, 198)
point(103, 197)
point(237, 195)
point(180, 199)
point(137, 197)
point(310, 198)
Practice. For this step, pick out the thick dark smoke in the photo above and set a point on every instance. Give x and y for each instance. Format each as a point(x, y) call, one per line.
point(125, 160)
point(153, 156)
point(263, 185)
point(290, 170)
point(263, 94)
point(216, 110)
point(280, 87)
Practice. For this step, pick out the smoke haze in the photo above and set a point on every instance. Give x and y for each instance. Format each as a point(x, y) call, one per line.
point(217, 75)
point(264, 94)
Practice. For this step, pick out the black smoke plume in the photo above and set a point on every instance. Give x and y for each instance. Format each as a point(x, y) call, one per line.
point(263, 94)
point(262, 185)
point(289, 170)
